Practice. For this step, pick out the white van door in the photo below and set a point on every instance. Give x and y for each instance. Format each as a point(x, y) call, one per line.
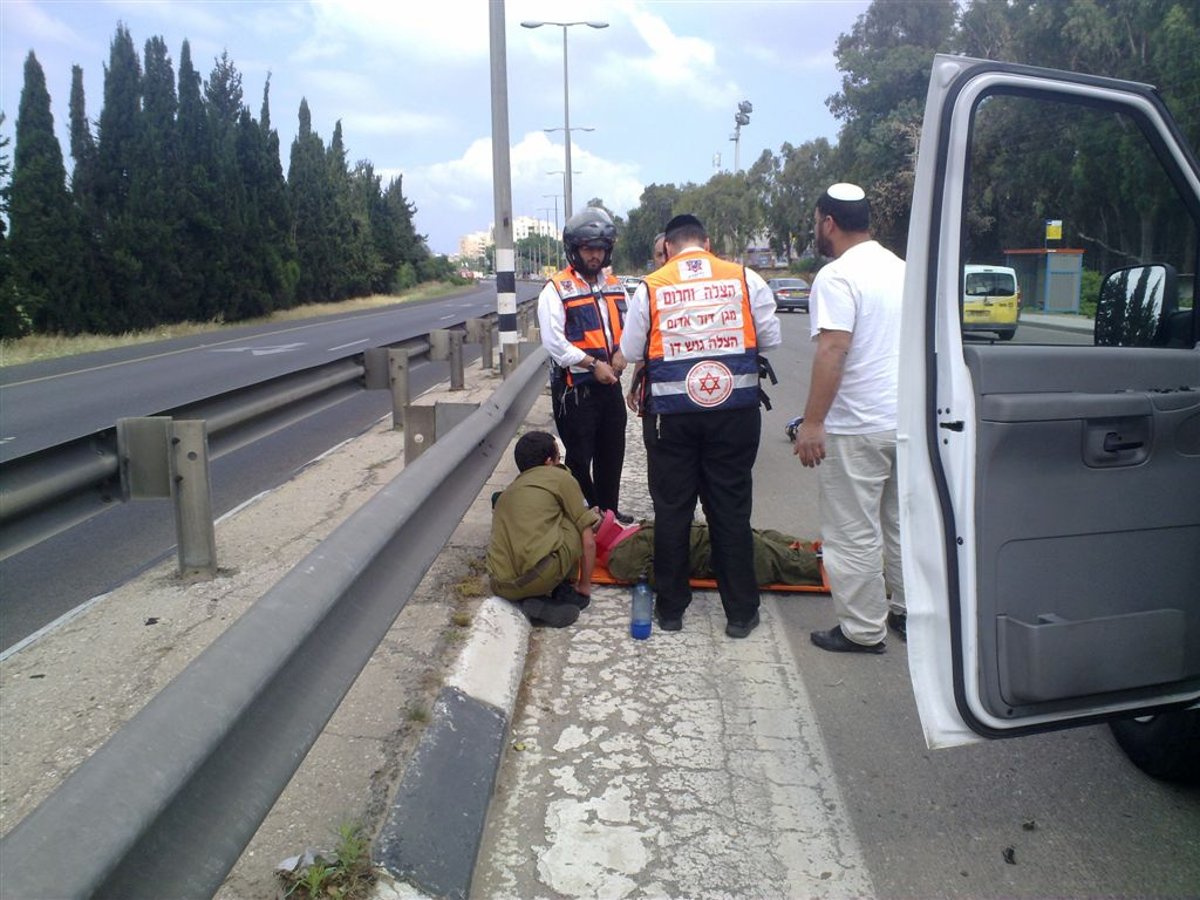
point(1050, 487)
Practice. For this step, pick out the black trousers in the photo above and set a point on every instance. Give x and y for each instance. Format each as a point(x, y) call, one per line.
point(590, 419)
point(707, 456)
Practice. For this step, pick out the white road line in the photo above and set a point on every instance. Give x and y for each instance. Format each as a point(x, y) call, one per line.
point(344, 346)
point(50, 626)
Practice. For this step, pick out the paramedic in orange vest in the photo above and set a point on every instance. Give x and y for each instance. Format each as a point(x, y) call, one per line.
point(700, 323)
point(581, 311)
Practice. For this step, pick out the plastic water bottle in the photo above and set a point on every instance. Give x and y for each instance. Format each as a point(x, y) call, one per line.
point(643, 607)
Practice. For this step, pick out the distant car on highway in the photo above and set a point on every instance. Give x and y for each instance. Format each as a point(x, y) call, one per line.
point(790, 294)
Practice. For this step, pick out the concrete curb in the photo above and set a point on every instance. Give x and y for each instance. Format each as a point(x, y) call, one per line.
point(433, 832)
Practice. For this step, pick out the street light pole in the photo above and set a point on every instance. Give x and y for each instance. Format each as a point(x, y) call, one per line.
point(566, 103)
point(567, 179)
point(505, 261)
point(556, 232)
point(541, 235)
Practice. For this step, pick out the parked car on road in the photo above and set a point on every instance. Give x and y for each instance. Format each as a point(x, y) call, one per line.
point(790, 294)
point(991, 300)
point(630, 282)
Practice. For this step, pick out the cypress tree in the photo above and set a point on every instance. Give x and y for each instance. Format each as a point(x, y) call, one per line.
point(194, 198)
point(117, 163)
point(223, 103)
point(282, 268)
point(12, 323)
point(48, 281)
point(84, 192)
point(153, 215)
point(311, 201)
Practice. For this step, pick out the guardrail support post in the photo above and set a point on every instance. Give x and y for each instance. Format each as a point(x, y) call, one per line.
point(420, 431)
point(485, 352)
point(457, 381)
point(190, 488)
point(479, 331)
point(439, 344)
point(398, 360)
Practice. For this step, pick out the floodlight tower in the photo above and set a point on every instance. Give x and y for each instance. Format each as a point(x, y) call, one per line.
point(740, 118)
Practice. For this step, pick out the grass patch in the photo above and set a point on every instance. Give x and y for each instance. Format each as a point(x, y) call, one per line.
point(416, 714)
point(348, 876)
point(34, 347)
point(471, 586)
point(461, 619)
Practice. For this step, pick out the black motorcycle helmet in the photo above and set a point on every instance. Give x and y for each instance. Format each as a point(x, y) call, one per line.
point(590, 228)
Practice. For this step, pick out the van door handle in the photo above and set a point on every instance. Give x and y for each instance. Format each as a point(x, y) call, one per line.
point(1114, 444)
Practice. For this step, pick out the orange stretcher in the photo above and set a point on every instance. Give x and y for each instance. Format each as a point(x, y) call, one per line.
point(601, 575)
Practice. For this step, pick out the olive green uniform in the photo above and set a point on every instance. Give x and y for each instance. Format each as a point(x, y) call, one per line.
point(778, 558)
point(536, 526)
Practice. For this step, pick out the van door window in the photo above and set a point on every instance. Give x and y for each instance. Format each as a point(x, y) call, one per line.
point(1064, 194)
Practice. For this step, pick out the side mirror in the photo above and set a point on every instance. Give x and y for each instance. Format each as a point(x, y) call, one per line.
point(1135, 305)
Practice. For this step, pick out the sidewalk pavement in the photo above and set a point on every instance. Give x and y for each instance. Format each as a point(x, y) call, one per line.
point(689, 764)
point(1063, 321)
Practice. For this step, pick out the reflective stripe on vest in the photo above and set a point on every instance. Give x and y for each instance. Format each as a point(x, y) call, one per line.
point(584, 325)
point(703, 347)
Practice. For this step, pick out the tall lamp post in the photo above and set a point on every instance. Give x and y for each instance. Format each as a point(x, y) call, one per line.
point(568, 180)
point(566, 188)
point(556, 232)
point(541, 235)
point(566, 103)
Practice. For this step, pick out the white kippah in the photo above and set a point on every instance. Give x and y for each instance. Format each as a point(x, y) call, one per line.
point(847, 192)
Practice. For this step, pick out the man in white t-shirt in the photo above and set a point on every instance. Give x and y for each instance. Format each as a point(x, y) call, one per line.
point(849, 427)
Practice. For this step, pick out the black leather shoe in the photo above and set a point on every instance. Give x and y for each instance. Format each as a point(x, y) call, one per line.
point(834, 641)
point(623, 518)
point(566, 593)
point(545, 612)
point(898, 622)
point(669, 623)
point(734, 630)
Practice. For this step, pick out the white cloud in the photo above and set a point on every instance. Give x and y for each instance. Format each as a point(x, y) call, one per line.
point(446, 32)
point(31, 19)
point(401, 124)
point(686, 68)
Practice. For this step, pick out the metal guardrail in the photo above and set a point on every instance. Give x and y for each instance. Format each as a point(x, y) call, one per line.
point(48, 492)
point(166, 806)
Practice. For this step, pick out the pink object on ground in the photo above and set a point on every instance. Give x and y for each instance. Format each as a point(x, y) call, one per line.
point(609, 534)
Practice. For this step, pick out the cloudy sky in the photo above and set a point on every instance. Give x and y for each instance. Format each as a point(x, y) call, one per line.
point(410, 82)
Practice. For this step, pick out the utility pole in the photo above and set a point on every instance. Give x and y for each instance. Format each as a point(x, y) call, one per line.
point(506, 277)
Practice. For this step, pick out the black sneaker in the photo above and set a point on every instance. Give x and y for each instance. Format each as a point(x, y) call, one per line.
point(545, 612)
point(834, 641)
point(623, 518)
point(898, 622)
point(734, 630)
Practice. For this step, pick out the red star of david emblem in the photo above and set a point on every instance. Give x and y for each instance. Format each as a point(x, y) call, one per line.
point(710, 384)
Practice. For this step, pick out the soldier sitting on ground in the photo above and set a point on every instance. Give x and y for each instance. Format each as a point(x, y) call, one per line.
point(542, 537)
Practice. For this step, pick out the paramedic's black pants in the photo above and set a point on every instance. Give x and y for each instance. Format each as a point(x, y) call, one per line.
point(710, 456)
point(590, 420)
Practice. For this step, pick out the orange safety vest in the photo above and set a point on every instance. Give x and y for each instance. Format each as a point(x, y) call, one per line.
point(584, 325)
point(703, 347)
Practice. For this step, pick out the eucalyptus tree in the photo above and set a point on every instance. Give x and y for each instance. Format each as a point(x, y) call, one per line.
point(885, 61)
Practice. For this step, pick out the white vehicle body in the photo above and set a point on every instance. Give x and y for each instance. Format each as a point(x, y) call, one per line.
point(1050, 494)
